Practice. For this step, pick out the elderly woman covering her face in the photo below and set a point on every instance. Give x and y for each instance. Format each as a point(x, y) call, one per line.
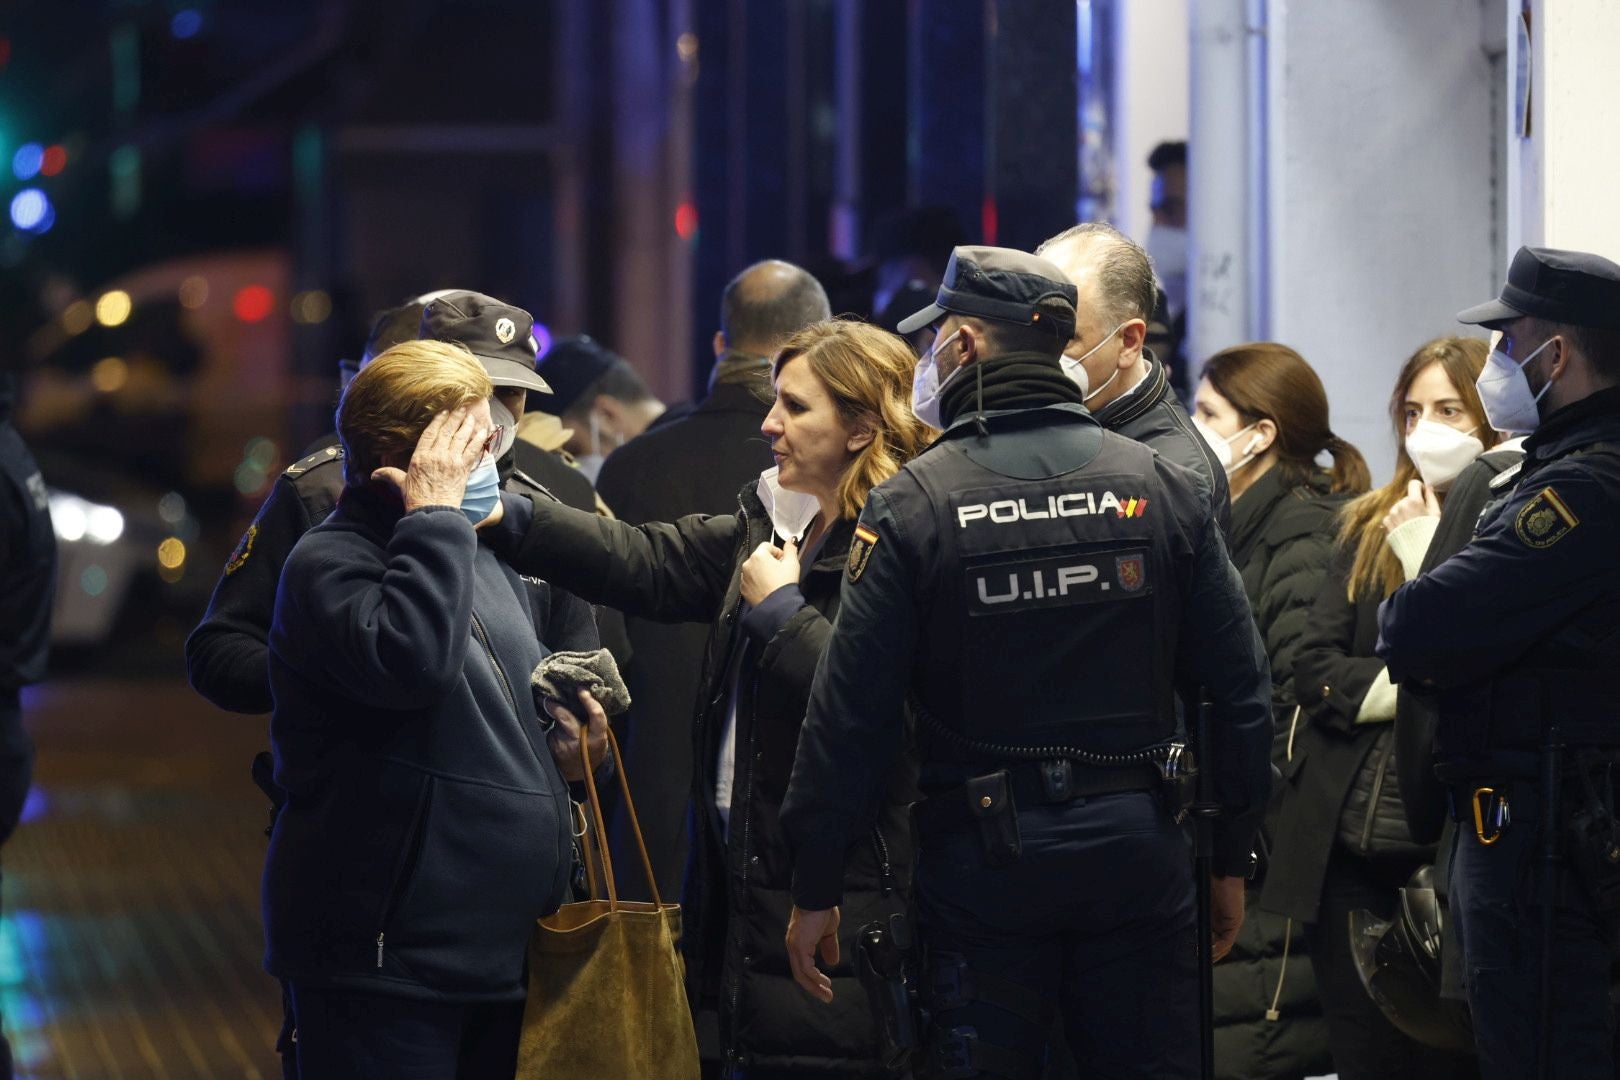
point(427, 824)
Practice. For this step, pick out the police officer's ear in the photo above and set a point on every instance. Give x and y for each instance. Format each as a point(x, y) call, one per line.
point(969, 345)
point(1560, 363)
point(719, 344)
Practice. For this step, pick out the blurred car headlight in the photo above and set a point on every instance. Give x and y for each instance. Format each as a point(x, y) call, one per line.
point(76, 519)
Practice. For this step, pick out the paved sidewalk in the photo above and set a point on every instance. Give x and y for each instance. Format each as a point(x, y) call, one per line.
point(130, 942)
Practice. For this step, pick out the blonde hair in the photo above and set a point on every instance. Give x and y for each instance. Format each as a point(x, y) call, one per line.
point(390, 402)
point(1376, 572)
point(867, 372)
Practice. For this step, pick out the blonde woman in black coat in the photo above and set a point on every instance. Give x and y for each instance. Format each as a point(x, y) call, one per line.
point(1342, 841)
point(841, 424)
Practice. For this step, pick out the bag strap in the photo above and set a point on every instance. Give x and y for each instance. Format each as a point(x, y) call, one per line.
point(601, 829)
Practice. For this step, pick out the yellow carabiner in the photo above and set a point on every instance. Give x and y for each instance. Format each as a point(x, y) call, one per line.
point(1481, 796)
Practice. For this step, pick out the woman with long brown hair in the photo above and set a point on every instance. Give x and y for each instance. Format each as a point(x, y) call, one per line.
point(1342, 841)
point(1264, 412)
point(842, 424)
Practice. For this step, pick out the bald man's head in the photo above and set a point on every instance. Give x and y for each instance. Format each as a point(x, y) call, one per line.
point(1117, 271)
point(768, 303)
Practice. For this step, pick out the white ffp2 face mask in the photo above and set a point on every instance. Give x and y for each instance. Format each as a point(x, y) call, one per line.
point(1222, 445)
point(1440, 452)
point(1075, 369)
point(791, 512)
point(925, 386)
point(1505, 392)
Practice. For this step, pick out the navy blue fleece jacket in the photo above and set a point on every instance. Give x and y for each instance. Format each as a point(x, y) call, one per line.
point(426, 824)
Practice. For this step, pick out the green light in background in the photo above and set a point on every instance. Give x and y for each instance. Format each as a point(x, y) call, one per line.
point(125, 166)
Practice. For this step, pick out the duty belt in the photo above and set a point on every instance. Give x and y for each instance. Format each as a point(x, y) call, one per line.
point(1041, 783)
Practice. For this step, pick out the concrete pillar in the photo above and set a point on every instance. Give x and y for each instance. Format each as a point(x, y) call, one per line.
point(1224, 260)
point(1379, 185)
point(1561, 177)
point(651, 309)
point(1151, 99)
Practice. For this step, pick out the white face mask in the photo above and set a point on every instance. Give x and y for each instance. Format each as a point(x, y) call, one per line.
point(1441, 453)
point(1222, 446)
point(1167, 247)
point(791, 511)
point(505, 427)
point(925, 385)
point(1076, 369)
point(1505, 392)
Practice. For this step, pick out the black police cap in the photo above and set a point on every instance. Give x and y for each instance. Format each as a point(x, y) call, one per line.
point(393, 326)
point(1005, 285)
point(500, 335)
point(1576, 288)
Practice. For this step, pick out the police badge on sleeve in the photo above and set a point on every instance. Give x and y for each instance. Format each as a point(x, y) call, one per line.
point(860, 551)
point(244, 548)
point(1544, 520)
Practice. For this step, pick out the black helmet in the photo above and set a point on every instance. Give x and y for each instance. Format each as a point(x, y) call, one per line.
point(1399, 964)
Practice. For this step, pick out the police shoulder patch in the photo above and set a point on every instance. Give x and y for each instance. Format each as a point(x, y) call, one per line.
point(243, 549)
point(860, 551)
point(1544, 520)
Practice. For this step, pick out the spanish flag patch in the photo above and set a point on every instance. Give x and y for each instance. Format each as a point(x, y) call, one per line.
point(1544, 520)
point(860, 551)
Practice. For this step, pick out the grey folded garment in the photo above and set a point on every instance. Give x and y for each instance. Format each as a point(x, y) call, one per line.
point(562, 675)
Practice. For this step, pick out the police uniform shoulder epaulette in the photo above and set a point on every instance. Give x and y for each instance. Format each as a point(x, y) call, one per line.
point(519, 474)
point(1506, 476)
point(319, 457)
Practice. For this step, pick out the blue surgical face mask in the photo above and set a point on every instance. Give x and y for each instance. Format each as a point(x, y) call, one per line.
point(483, 490)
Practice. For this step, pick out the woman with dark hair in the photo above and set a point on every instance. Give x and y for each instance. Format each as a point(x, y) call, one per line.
point(842, 424)
point(1265, 414)
point(1342, 842)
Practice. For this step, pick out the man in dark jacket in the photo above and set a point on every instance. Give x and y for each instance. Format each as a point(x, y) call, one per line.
point(696, 465)
point(426, 824)
point(1124, 385)
point(27, 587)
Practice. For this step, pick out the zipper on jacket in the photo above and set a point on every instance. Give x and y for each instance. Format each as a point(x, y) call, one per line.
point(407, 868)
point(742, 898)
point(1274, 1013)
point(885, 872)
point(1372, 800)
point(489, 650)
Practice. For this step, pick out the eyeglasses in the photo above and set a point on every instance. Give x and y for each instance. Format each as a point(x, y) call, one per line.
point(496, 437)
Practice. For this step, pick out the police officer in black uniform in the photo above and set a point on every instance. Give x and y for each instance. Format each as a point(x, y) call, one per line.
point(1517, 637)
point(993, 586)
point(226, 653)
point(27, 588)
